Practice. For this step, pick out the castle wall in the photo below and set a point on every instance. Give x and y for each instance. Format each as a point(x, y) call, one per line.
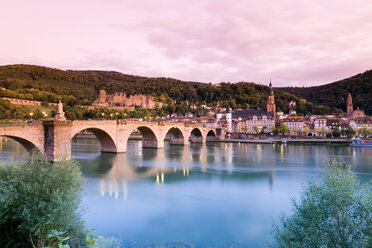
point(120, 98)
point(24, 102)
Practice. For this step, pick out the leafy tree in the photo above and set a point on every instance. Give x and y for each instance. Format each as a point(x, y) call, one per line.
point(38, 197)
point(336, 132)
point(336, 212)
point(275, 130)
point(283, 129)
point(306, 130)
point(263, 130)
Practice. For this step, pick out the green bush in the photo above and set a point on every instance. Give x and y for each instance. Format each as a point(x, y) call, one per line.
point(39, 196)
point(337, 212)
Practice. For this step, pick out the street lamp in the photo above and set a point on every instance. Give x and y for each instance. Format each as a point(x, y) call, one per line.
point(31, 114)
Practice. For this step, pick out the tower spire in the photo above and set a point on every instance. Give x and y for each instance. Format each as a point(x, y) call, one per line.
point(270, 107)
point(349, 106)
point(271, 88)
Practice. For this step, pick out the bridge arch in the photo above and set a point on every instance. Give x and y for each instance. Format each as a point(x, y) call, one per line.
point(211, 135)
point(149, 138)
point(196, 135)
point(176, 136)
point(106, 140)
point(30, 146)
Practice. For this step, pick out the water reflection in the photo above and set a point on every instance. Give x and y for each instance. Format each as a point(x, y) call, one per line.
point(210, 194)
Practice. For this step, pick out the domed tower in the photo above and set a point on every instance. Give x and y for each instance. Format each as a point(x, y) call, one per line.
point(349, 107)
point(271, 101)
point(228, 116)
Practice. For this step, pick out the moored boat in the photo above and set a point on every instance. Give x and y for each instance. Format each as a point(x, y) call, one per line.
point(357, 142)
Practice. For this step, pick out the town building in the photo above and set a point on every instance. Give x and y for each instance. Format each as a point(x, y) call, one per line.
point(352, 114)
point(320, 123)
point(241, 126)
point(295, 123)
point(121, 100)
point(255, 119)
point(333, 124)
point(258, 118)
point(207, 121)
point(361, 122)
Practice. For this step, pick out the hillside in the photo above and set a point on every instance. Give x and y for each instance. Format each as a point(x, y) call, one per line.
point(334, 94)
point(82, 87)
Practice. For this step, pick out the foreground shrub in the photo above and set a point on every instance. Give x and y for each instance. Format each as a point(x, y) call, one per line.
point(37, 197)
point(337, 212)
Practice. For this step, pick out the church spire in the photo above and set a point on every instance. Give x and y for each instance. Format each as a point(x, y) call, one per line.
point(271, 88)
point(349, 106)
point(271, 101)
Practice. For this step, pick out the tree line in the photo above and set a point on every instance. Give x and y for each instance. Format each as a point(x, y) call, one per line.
point(82, 87)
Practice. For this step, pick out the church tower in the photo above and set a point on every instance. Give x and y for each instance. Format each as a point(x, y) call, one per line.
point(271, 102)
point(349, 107)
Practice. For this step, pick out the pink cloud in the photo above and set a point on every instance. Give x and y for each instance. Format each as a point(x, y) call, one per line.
point(294, 42)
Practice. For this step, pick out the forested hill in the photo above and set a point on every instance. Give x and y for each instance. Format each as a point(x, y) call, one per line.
point(335, 94)
point(82, 87)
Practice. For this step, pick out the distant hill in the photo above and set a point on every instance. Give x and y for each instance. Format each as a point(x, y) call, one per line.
point(82, 87)
point(334, 94)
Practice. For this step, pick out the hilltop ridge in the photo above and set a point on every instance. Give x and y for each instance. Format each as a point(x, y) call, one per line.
point(82, 87)
point(334, 94)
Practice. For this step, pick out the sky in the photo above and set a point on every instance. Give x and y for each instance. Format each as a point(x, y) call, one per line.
point(295, 43)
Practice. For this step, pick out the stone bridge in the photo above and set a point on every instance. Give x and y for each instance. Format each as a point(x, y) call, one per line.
point(53, 138)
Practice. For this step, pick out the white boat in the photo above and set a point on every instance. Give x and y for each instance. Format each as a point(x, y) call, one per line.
point(357, 142)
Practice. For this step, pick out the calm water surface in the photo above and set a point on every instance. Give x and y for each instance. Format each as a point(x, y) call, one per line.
point(208, 195)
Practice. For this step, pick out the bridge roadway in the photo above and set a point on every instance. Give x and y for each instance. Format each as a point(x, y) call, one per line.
point(53, 138)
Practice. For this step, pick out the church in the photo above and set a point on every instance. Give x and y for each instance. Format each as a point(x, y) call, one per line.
point(352, 114)
point(247, 120)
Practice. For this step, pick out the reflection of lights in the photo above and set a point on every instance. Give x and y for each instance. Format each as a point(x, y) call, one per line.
point(116, 195)
point(162, 177)
point(157, 178)
point(281, 149)
point(187, 171)
point(259, 148)
point(273, 145)
point(102, 187)
point(184, 172)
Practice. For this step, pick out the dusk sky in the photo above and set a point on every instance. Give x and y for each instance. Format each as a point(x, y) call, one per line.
point(296, 43)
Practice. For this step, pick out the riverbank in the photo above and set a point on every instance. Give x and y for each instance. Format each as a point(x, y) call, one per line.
point(257, 140)
point(288, 141)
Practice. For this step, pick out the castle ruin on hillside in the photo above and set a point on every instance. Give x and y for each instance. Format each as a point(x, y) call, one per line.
point(119, 100)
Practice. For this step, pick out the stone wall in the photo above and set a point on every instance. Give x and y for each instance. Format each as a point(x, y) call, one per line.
point(24, 102)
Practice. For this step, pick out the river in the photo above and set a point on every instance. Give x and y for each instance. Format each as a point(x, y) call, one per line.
point(207, 195)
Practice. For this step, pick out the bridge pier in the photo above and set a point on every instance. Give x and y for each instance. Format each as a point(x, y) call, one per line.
point(57, 140)
point(178, 139)
point(197, 139)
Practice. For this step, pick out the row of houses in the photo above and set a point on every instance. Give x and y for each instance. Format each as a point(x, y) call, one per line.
point(251, 121)
point(321, 124)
